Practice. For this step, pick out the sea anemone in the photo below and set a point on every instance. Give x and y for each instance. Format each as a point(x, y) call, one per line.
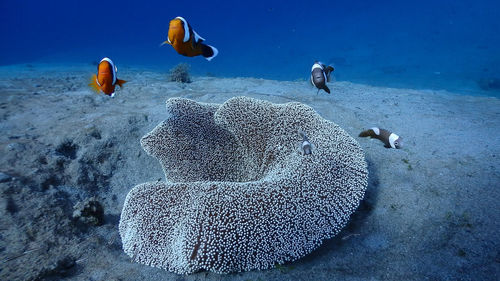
point(239, 192)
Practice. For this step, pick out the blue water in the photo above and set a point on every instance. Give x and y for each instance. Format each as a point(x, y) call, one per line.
point(450, 45)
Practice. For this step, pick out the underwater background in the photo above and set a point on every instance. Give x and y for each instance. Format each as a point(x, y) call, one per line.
point(428, 71)
point(451, 45)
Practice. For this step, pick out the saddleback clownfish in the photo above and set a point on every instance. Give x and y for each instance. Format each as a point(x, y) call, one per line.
point(106, 80)
point(320, 74)
point(186, 41)
point(391, 140)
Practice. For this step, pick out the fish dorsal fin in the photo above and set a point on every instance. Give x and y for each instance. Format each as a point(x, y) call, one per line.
point(197, 37)
point(376, 130)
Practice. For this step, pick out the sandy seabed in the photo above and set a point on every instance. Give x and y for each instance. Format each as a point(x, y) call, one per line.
point(431, 211)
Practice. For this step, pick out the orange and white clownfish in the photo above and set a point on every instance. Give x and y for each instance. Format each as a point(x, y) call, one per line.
point(186, 41)
point(106, 80)
point(320, 74)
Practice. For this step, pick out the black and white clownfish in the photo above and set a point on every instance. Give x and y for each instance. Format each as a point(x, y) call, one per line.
point(106, 80)
point(186, 41)
point(388, 138)
point(320, 74)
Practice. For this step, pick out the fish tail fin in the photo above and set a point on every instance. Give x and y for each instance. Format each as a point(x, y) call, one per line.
point(209, 52)
point(367, 133)
point(328, 72)
point(93, 84)
point(120, 82)
point(303, 135)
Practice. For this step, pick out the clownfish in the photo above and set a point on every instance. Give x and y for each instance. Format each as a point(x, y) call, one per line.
point(306, 145)
point(390, 140)
point(106, 80)
point(186, 41)
point(320, 74)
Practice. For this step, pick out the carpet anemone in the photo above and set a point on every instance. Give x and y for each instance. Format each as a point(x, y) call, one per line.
point(239, 193)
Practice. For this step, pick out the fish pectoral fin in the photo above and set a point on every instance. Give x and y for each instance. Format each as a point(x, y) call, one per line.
point(93, 84)
point(165, 42)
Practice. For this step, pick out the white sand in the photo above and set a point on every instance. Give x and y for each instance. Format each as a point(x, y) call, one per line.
point(431, 211)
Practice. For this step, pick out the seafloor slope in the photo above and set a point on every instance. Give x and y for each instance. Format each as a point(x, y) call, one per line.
point(431, 210)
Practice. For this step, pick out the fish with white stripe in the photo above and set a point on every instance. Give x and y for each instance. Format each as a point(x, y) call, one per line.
point(390, 140)
point(106, 79)
point(305, 145)
point(186, 41)
point(320, 74)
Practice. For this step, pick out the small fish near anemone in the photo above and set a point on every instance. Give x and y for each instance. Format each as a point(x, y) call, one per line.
point(105, 81)
point(305, 145)
point(186, 41)
point(320, 74)
point(390, 140)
